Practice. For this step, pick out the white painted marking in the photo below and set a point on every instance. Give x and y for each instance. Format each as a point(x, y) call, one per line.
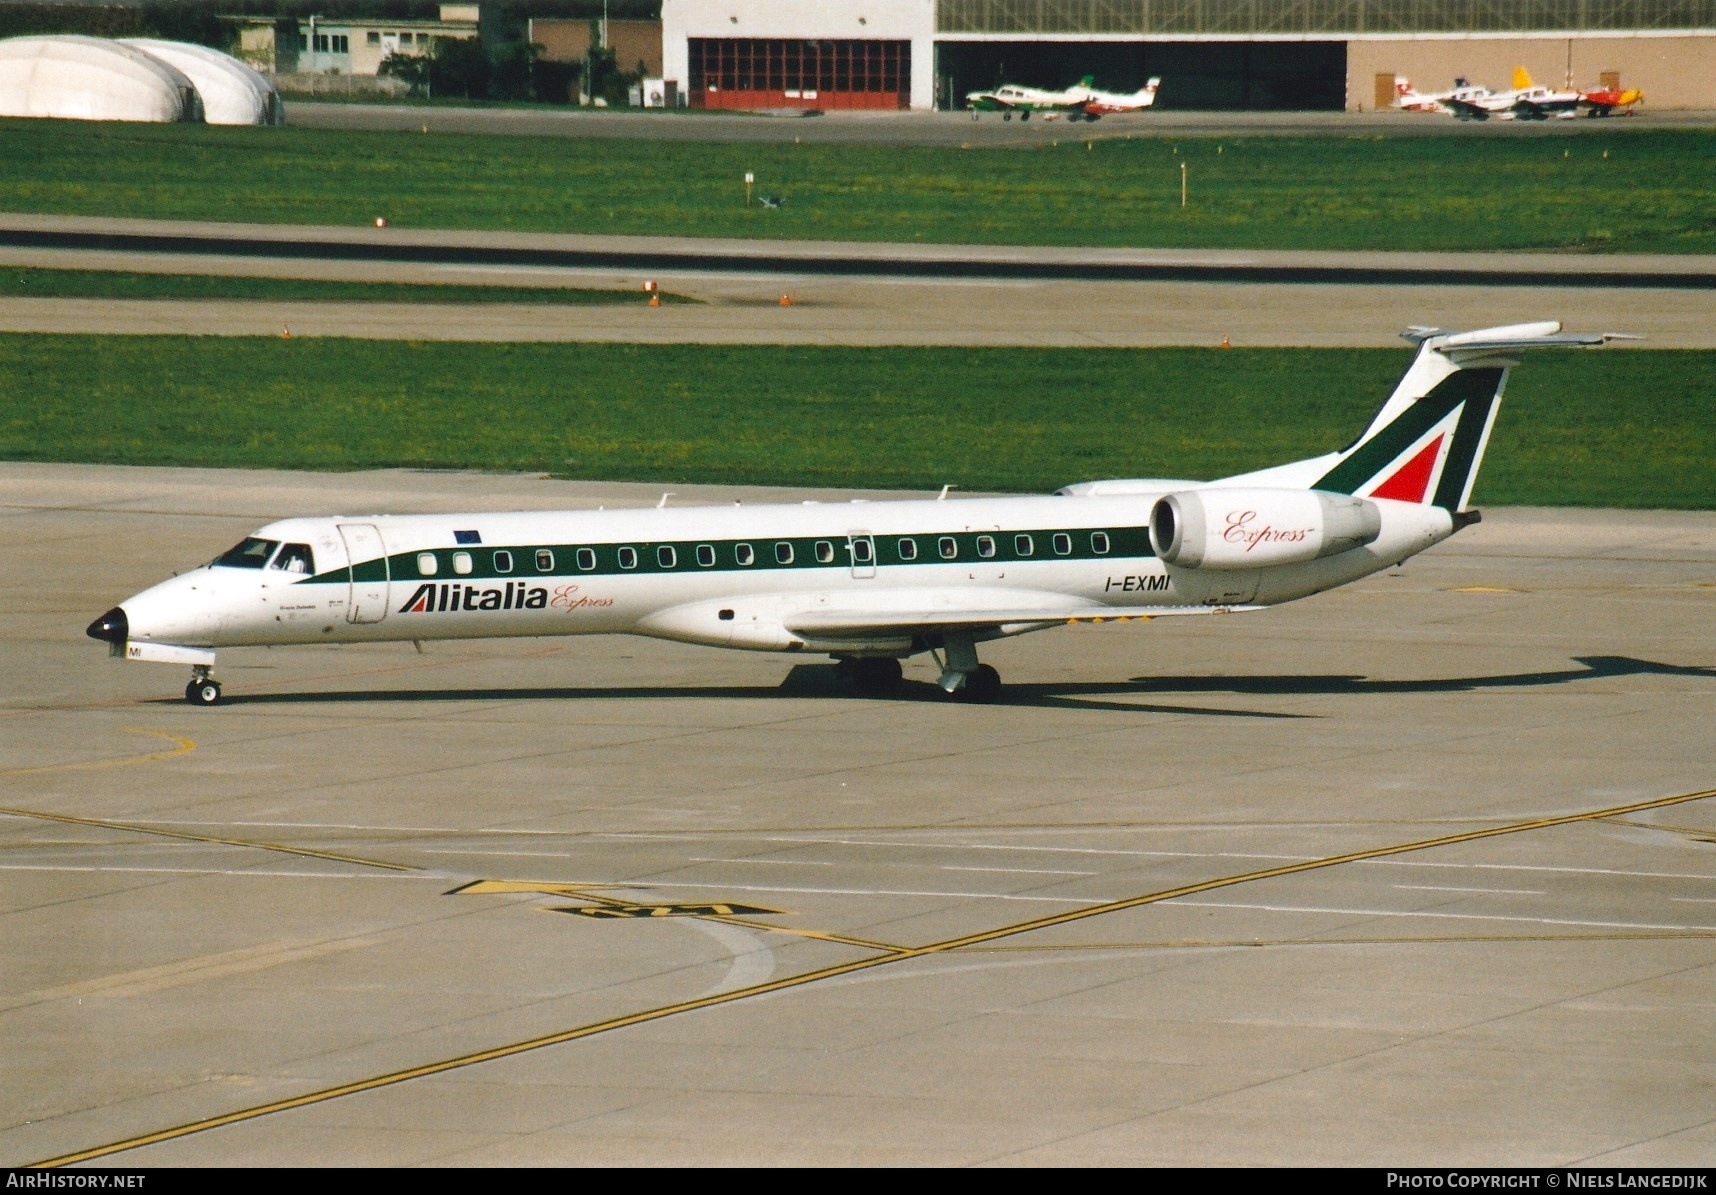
point(752, 962)
point(1591, 871)
point(1023, 871)
point(1213, 904)
point(227, 871)
point(1056, 900)
point(771, 862)
point(1497, 891)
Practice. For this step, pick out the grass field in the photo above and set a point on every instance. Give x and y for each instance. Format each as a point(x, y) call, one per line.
point(121, 284)
point(1626, 189)
point(1619, 427)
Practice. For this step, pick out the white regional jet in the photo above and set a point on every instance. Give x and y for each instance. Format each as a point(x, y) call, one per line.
point(868, 583)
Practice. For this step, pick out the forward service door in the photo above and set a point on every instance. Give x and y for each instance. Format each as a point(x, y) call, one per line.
point(366, 559)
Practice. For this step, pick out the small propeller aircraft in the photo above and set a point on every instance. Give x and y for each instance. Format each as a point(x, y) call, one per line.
point(1411, 100)
point(1108, 103)
point(1609, 101)
point(1012, 97)
point(867, 583)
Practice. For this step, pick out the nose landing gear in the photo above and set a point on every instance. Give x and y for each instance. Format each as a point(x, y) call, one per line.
point(203, 689)
point(962, 677)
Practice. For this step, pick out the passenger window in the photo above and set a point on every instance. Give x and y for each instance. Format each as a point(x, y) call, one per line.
point(743, 555)
point(427, 564)
point(783, 552)
point(949, 549)
point(586, 558)
point(462, 563)
point(503, 562)
point(249, 553)
point(1023, 546)
point(860, 551)
point(295, 558)
point(544, 560)
point(908, 549)
point(628, 557)
point(1063, 544)
point(1099, 542)
point(824, 552)
point(705, 555)
point(666, 557)
point(986, 546)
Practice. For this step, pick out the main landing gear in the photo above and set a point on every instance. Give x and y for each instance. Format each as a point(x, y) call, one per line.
point(203, 689)
point(962, 677)
point(870, 675)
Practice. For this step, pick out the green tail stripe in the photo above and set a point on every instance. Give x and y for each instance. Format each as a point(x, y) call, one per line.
point(1476, 387)
point(1468, 436)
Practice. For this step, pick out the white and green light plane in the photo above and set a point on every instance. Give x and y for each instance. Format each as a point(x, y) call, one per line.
point(868, 583)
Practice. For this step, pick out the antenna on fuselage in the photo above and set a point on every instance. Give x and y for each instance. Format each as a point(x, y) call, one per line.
point(662, 505)
point(944, 489)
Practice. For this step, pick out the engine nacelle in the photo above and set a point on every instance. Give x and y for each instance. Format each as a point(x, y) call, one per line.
point(1220, 528)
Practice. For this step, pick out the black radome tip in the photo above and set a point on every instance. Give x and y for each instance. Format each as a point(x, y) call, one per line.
point(112, 627)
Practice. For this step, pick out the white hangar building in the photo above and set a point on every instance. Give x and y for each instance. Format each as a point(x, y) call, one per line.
point(92, 78)
point(232, 91)
point(1210, 54)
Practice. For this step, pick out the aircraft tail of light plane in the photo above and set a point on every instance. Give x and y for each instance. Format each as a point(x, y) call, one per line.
point(868, 583)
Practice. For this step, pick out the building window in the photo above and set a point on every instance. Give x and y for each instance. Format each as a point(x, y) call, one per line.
point(342, 43)
point(373, 37)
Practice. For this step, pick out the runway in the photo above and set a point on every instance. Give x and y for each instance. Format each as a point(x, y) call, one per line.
point(1415, 873)
point(857, 294)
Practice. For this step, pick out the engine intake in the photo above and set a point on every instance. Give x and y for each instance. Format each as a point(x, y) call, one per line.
point(1219, 528)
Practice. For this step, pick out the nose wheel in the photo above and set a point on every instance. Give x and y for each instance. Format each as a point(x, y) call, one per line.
point(203, 689)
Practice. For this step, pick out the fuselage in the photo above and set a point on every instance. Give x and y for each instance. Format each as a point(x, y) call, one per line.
point(738, 576)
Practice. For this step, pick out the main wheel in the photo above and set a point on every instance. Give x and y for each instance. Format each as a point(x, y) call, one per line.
point(1006, 116)
point(203, 692)
point(982, 685)
point(877, 676)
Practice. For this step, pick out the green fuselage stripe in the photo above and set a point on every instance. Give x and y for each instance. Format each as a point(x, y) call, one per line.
point(807, 552)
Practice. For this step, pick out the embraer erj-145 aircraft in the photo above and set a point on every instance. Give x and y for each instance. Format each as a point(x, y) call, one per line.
point(868, 583)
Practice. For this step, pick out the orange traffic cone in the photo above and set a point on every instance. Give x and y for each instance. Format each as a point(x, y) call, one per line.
point(285, 332)
point(1225, 343)
point(786, 300)
point(655, 300)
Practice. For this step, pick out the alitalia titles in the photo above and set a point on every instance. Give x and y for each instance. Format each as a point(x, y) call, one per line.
point(448, 597)
point(432, 598)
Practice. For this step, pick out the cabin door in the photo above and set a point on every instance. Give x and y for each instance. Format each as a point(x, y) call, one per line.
point(366, 561)
point(863, 551)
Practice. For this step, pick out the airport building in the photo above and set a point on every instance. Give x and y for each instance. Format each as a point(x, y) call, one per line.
point(1210, 54)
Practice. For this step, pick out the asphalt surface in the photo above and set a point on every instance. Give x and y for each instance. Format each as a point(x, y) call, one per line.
point(1415, 873)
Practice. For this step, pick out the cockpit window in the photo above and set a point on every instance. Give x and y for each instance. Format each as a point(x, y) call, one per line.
point(252, 553)
point(295, 558)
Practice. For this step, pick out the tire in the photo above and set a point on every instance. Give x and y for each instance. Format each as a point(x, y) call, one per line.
point(203, 692)
point(982, 686)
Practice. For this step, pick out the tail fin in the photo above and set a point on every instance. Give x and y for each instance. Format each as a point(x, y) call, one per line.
point(1521, 79)
point(1426, 443)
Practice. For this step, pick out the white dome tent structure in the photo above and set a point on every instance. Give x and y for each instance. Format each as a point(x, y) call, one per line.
point(92, 78)
point(232, 92)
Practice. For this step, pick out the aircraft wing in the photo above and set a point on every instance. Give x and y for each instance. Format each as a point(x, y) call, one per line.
point(977, 616)
point(1466, 110)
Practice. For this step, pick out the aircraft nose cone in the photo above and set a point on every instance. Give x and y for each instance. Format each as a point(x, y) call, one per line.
point(112, 627)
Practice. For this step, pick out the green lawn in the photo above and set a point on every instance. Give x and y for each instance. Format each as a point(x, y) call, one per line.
point(1618, 427)
point(122, 284)
point(1608, 190)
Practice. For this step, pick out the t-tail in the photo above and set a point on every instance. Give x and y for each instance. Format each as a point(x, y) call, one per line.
point(1426, 443)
